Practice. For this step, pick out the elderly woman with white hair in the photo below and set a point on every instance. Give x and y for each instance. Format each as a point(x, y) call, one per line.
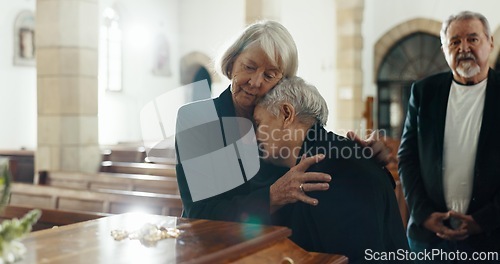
point(357, 217)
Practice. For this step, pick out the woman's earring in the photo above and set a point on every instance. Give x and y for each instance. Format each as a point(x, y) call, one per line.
point(232, 86)
point(233, 82)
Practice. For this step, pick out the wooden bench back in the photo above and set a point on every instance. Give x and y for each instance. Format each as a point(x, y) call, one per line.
point(110, 201)
point(50, 218)
point(113, 181)
point(137, 154)
point(138, 168)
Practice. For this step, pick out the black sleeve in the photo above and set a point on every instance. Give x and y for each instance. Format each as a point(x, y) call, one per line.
point(239, 204)
point(416, 196)
point(210, 184)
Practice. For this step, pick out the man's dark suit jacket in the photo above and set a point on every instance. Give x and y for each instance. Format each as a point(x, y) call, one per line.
point(421, 160)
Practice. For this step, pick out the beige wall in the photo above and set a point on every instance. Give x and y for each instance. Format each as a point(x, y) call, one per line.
point(196, 26)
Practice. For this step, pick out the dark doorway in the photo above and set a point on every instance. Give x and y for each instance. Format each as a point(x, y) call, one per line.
point(412, 58)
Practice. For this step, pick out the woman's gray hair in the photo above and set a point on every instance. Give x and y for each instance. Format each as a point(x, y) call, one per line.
point(273, 38)
point(305, 98)
point(464, 15)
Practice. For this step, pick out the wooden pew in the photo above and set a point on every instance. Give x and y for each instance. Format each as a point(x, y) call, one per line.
point(110, 201)
point(137, 154)
point(50, 218)
point(138, 168)
point(112, 181)
point(21, 164)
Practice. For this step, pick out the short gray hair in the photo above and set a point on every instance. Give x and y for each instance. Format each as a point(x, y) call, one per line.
point(464, 15)
point(273, 38)
point(305, 98)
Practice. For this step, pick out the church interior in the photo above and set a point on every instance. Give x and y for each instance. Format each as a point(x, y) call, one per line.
point(90, 86)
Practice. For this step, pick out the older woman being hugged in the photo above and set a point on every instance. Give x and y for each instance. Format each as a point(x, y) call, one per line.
point(219, 171)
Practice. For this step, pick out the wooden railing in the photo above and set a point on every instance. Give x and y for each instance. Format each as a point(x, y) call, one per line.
point(393, 145)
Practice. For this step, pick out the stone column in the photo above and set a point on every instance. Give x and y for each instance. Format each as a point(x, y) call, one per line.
point(253, 11)
point(349, 78)
point(259, 9)
point(66, 43)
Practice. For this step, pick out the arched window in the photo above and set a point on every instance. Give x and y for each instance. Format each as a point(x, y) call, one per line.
point(24, 39)
point(202, 74)
point(194, 68)
point(110, 51)
point(412, 58)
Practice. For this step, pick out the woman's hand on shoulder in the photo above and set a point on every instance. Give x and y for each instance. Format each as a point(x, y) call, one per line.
point(294, 185)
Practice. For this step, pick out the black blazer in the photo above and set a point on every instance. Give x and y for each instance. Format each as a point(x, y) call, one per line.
point(421, 159)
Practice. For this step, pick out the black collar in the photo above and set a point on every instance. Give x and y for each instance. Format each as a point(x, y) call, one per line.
point(315, 134)
point(224, 103)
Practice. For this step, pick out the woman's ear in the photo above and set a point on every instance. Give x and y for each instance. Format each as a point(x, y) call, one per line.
point(288, 114)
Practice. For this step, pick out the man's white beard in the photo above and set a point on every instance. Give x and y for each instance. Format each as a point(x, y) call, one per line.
point(468, 69)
